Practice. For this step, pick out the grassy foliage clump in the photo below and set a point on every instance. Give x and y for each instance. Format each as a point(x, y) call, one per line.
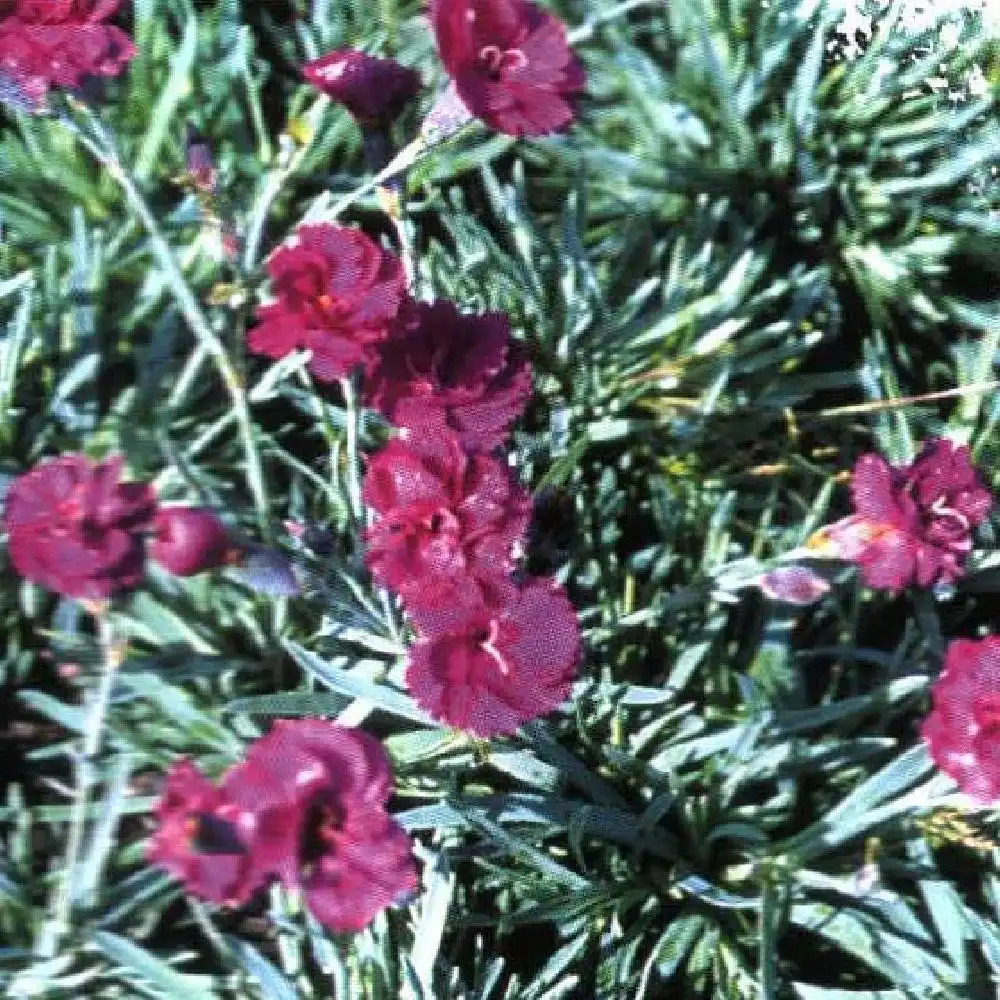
point(748, 263)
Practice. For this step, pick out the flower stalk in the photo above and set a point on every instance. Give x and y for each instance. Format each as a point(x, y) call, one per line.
point(112, 657)
point(103, 149)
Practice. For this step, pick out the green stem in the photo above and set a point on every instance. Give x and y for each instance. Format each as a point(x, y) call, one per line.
point(353, 480)
point(112, 655)
point(273, 184)
point(405, 158)
point(107, 155)
point(586, 30)
point(985, 367)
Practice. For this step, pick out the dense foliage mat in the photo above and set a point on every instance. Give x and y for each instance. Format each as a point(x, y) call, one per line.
point(508, 518)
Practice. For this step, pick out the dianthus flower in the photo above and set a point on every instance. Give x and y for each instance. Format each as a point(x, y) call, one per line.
point(963, 728)
point(57, 43)
point(510, 63)
point(373, 90)
point(444, 371)
point(201, 840)
point(190, 540)
point(912, 524)
point(313, 795)
point(305, 806)
point(443, 516)
point(75, 529)
point(489, 667)
point(337, 293)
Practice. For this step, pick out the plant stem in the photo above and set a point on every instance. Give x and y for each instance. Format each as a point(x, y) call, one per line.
point(275, 181)
point(112, 656)
point(353, 481)
point(584, 31)
point(106, 153)
point(405, 158)
point(979, 389)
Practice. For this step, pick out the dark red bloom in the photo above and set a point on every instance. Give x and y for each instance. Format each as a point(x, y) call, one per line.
point(337, 293)
point(488, 668)
point(443, 516)
point(510, 62)
point(75, 529)
point(189, 540)
point(920, 516)
point(57, 43)
point(201, 838)
point(963, 728)
point(316, 793)
point(444, 371)
point(373, 90)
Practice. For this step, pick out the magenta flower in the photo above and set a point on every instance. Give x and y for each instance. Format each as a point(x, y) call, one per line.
point(963, 728)
point(932, 505)
point(913, 524)
point(373, 90)
point(337, 294)
point(201, 838)
point(57, 43)
point(75, 529)
point(315, 794)
point(190, 540)
point(489, 668)
point(444, 371)
point(442, 517)
point(306, 806)
point(510, 63)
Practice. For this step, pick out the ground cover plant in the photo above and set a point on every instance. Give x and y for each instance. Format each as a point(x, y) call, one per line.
point(498, 501)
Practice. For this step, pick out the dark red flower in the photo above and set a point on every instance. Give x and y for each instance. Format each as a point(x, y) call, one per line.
point(57, 43)
point(337, 292)
point(189, 540)
point(963, 728)
point(443, 517)
point(316, 793)
point(373, 90)
point(443, 371)
point(510, 62)
point(487, 668)
point(75, 529)
point(201, 838)
point(920, 515)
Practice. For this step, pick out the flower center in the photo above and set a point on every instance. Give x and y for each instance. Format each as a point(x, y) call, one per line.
point(72, 508)
point(322, 826)
point(496, 62)
point(987, 711)
point(941, 509)
point(332, 309)
point(210, 834)
point(442, 522)
point(486, 640)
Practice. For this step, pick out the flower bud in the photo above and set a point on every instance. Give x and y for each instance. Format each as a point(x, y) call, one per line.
point(189, 540)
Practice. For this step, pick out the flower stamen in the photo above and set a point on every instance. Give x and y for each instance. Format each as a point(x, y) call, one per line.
point(488, 646)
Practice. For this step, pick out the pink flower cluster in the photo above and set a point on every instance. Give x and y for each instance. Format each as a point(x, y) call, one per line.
point(76, 529)
point(58, 43)
point(451, 519)
point(306, 807)
point(509, 62)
